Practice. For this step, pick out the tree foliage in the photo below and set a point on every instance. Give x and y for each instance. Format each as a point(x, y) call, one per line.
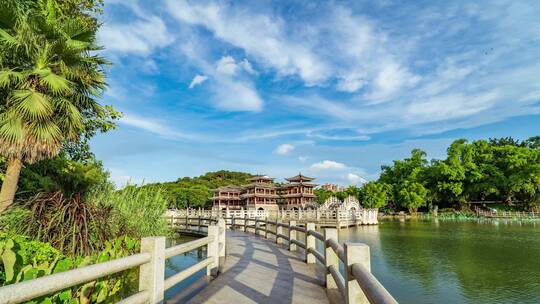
point(195, 192)
point(504, 169)
point(375, 194)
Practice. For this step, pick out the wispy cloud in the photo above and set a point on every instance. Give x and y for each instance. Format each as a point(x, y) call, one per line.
point(328, 165)
point(284, 149)
point(197, 80)
point(154, 126)
point(140, 36)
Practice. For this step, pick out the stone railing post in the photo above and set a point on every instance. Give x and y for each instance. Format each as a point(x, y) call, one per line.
point(222, 228)
point(330, 256)
point(199, 223)
point(279, 230)
point(292, 235)
point(187, 221)
point(213, 250)
point(355, 253)
point(266, 228)
point(257, 225)
point(310, 243)
point(152, 274)
point(233, 222)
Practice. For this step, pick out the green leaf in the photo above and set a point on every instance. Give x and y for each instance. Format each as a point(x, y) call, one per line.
point(31, 104)
point(65, 295)
point(9, 258)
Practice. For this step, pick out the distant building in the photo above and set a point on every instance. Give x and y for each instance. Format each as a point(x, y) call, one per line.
point(332, 187)
point(298, 193)
point(263, 194)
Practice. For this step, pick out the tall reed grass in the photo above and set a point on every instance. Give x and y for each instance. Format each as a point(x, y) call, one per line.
point(137, 211)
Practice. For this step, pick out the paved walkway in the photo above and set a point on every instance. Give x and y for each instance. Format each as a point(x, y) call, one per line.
point(259, 271)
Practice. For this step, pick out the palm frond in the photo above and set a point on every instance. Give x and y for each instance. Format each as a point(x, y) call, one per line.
point(55, 83)
point(8, 39)
point(10, 77)
point(31, 104)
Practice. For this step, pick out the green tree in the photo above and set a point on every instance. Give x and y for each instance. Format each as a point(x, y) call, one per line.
point(321, 195)
point(375, 194)
point(412, 195)
point(50, 76)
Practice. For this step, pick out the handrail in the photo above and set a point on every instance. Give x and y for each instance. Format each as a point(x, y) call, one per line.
point(338, 278)
point(151, 260)
point(338, 249)
point(316, 234)
point(300, 244)
point(186, 247)
point(27, 290)
point(369, 285)
point(317, 254)
point(186, 273)
point(372, 288)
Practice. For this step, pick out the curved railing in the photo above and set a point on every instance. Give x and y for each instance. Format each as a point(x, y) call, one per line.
point(357, 285)
point(151, 263)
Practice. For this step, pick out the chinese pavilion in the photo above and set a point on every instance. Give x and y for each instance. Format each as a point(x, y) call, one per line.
point(298, 193)
point(263, 194)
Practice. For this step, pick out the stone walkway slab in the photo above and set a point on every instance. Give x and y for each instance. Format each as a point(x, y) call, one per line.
point(259, 271)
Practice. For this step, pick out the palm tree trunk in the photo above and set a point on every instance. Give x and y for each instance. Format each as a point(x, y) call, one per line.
point(9, 186)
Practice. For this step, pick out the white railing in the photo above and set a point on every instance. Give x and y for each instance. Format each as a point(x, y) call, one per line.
point(151, 263)
point(362, 216)
point(357, 285)
point(507, 214)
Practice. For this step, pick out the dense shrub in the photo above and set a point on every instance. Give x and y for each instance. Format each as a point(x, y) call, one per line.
point(22, 259)
point(72, 225)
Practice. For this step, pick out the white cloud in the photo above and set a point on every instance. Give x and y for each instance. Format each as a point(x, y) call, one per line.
point(328, 165)
point(237, 96)
point(226, 65)
point(261, 36)
point(197, 80)
point(302, 158)
point(139, 37)
point(451, 106)
point(246, 65)
point(284, 149)
point(153, 126)
point(389, 80)
point(355, 179)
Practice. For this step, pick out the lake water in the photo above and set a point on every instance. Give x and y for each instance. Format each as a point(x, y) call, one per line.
point(443, 261)
point(449, 261)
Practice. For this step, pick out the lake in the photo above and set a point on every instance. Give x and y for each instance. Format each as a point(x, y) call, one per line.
point(437, 261)
point(448, 261)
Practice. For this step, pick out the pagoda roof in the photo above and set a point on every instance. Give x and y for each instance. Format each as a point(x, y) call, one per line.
point(296, 184)
point(231, 188)
point(299, 178)
point(259, 185)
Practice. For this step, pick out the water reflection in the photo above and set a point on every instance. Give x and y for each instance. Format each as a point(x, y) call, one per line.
point(181, 262)
point(452, 261)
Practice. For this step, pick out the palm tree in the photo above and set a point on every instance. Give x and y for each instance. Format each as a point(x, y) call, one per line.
point(50, 77)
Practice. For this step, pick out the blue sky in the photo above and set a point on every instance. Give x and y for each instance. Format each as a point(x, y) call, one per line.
point(333, 89)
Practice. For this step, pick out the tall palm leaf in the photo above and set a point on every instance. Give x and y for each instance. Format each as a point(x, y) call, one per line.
point(50, 77)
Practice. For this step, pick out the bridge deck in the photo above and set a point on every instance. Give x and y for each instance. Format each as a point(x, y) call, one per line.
point(259, 271)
